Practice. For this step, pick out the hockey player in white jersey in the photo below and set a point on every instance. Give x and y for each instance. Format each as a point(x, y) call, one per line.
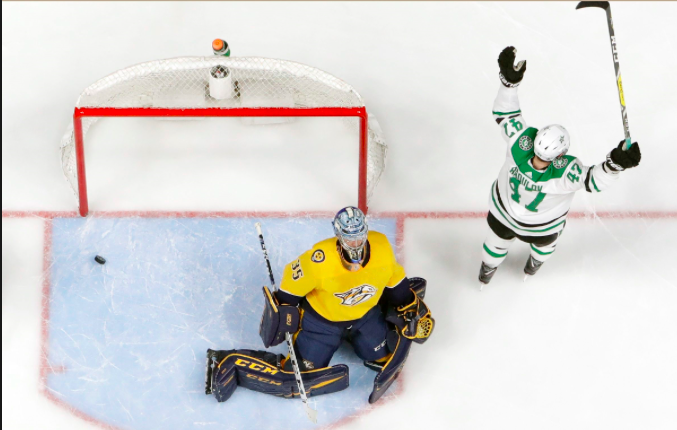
point(536, 185)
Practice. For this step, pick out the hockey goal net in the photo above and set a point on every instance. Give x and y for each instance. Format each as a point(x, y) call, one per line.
point(222, 87)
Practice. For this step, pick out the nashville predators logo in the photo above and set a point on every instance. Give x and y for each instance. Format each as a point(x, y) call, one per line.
point(356, 295)
point(318, 256)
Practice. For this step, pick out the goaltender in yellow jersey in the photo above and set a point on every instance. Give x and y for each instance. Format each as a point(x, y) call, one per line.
point(334, 292)
point(349, 287)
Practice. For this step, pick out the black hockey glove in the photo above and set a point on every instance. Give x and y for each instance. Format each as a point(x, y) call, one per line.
point(619, 160)
point(277, 320)
point(511, 75)
point(414, 320)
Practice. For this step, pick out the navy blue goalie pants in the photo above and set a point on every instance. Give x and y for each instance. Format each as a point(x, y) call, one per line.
point(319, 338)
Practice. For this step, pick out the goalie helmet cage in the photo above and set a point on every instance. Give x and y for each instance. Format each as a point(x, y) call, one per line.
point(256, 87)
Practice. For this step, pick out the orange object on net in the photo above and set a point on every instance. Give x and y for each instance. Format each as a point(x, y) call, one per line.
point(217, 44)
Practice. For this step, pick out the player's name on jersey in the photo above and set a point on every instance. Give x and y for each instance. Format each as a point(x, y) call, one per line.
point(524, 180)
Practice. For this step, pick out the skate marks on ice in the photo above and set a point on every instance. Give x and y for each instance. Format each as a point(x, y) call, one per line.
point(591, 332)
point(592, 314)
point(131, 335)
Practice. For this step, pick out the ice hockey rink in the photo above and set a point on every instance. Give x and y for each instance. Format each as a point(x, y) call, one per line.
point(588, 343)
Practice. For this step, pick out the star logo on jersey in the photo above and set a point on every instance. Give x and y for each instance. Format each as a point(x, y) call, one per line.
point(560, 162)
point(318, 256)
point(526, 143)
point(356, 295)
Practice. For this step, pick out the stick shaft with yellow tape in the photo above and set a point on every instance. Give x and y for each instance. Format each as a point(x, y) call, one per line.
point(617, 66)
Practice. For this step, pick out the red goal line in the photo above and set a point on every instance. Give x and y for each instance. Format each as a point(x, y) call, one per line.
point(400, 215)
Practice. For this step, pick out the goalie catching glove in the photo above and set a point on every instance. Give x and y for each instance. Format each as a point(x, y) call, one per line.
point(414, 320)
point(277, 320)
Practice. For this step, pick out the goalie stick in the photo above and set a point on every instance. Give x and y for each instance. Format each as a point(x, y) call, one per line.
point(312, 413)
point(614, 52)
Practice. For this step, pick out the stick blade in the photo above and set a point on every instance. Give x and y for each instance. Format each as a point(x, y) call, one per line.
point(312, 413)
point(600, 4)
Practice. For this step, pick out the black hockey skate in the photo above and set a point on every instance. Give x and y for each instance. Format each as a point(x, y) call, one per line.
point(531, 267)
point(213, 359)
point(486, 273)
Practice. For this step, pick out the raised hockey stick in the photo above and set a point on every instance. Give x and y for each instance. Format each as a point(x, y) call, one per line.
point(312, 413)
point(614, 52)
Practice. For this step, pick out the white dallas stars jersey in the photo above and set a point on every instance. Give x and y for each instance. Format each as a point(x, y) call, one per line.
point(536, 202)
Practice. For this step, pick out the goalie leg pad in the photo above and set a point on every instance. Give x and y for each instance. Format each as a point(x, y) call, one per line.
point(391, 370)
point(220, 382)
point(276, 320)
point(412, 323)
point(260, 371)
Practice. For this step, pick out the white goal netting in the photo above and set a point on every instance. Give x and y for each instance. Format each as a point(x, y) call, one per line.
point(250, 82)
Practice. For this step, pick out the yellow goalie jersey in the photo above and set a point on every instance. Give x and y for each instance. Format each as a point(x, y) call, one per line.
point(333, 291)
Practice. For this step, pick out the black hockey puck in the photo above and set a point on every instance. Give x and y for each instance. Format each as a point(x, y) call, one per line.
point(99, 259)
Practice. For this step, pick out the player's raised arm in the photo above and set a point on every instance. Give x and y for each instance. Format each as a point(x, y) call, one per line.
point(506, 110)
point(596, 178)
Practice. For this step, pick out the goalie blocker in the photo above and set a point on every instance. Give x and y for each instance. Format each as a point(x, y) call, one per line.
point(277, 320)
point(264, 371)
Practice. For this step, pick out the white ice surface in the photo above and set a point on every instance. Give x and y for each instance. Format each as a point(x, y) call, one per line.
point(591, 343)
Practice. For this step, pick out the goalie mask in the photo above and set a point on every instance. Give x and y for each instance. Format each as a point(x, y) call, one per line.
point(350, 227)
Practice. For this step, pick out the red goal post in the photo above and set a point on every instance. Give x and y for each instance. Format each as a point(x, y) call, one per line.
point(222, 87)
